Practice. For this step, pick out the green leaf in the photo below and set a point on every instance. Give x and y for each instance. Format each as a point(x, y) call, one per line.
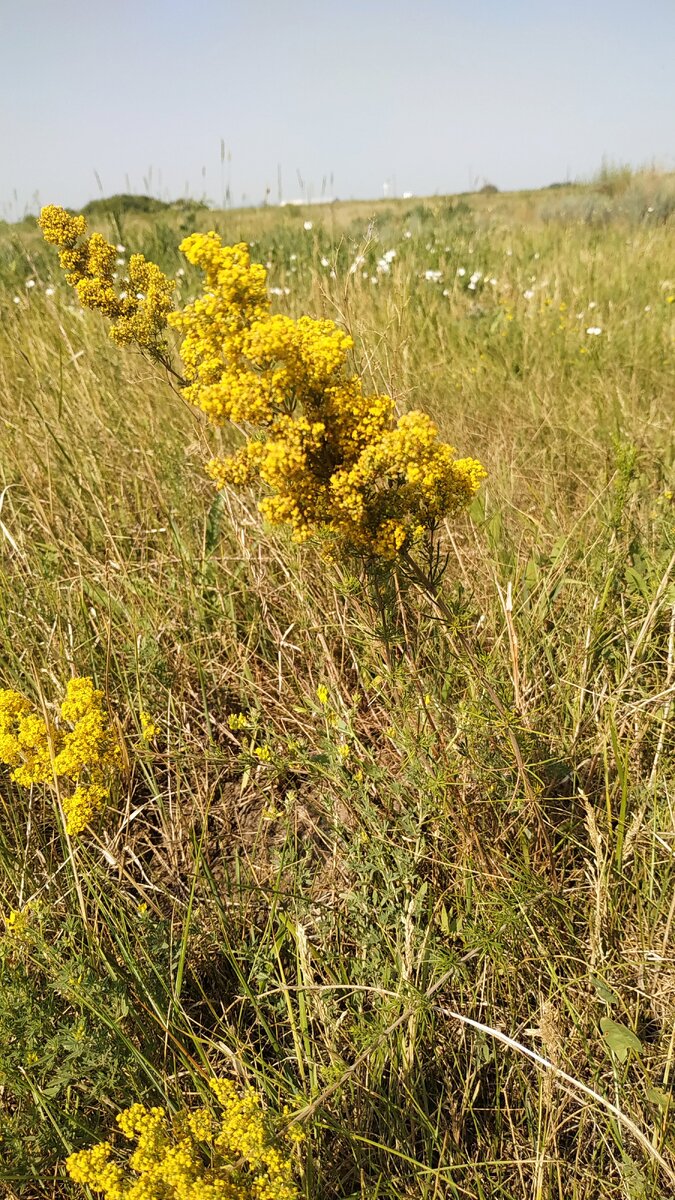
point(619, 1038)
point(659, 1097)
point(213, 523)
point(603, 990)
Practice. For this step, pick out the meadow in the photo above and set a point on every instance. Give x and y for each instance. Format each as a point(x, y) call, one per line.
point(402, 862)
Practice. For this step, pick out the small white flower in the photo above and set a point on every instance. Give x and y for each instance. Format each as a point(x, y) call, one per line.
point(30, 283)
point(17, 299)
point(407, 234)
point(648, 308)
point(333, 275)
point(307, 226)
point(433, 276)
point(472, 287)
point(364, 274)
point(407, 195)
point(374, 279)
point(120, 262)
point(383, 266)
point(528, 294)
point(287, 291)
point(180, 272)
point(49, 291)
point(477, 275)
point(446, 292)
point(650, 209)
point(269, 266)
point(594, 330)
point(509, 253)
point(293, 257)
point(123, 295)
point(120, 248)
point(324, 262)
point(276, 291)
point(536, 256)
point(592, 304)
point(389, 255)
point(461, 270)
point(140, 295)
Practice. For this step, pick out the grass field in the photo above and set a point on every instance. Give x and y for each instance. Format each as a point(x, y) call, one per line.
point(357, 899)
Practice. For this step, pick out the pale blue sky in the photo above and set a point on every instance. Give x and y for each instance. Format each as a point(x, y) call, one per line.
point(432, 95)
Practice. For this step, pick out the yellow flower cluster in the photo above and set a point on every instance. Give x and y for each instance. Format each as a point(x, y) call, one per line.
point(192, 1156)
point(149, 729)
point(18, 923)
point(138, 303)
point(40, 751)
point(331, 456)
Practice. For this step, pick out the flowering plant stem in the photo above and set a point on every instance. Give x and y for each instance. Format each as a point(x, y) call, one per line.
point(465, 651)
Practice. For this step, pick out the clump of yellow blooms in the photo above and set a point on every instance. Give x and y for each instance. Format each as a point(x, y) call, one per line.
point(80, 749)
point(193, 1156)
point(137, 303)
point(149, 728)
point(332, 459)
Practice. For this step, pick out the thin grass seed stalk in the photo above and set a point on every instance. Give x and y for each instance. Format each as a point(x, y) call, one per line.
point(332, 460)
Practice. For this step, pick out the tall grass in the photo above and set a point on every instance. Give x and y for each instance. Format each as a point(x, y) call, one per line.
point(359, 923)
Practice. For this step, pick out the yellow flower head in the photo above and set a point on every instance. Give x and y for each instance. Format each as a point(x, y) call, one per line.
point(194, 1155)
point(86, 755)
point(328, 456)
point(138, 303)
point(59, 228)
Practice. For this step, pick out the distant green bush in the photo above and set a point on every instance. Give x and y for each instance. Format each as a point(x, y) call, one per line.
point(122, 202)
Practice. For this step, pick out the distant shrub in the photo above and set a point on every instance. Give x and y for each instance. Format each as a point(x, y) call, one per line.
point(123, 202)
point(187, 205)
point(488, 189)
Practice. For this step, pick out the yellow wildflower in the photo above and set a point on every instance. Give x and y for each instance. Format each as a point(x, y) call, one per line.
point(149, 729)
point(329, 457)
point(86, 755)
point(138, 303)
point(237, 721)
point(326, 453)
point(193, 1155)
point(59, 228)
